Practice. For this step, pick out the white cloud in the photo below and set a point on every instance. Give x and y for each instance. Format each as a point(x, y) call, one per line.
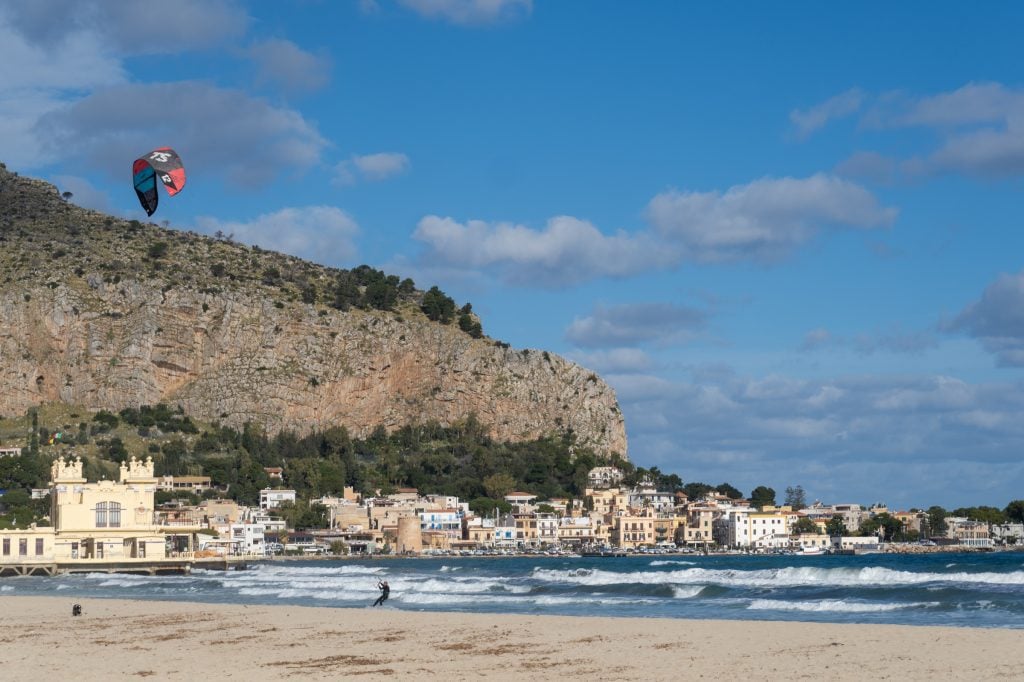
point(974, 103)
point(129, 27)
point(288, 66)
point(869, 166)
point(614, 360)
point(566, 251)
point(816, 338)
point(213, 129)
point(997, 319)
point(322, 234)
point(826, 433)
point(981, 127)
point(621, 325)
point(43, 81)
point(815, 118)
point(470, 12)
point(763, 220)
point(84, 193)
point(371, 167)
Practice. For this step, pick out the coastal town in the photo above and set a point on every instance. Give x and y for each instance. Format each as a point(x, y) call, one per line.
point(117, 525)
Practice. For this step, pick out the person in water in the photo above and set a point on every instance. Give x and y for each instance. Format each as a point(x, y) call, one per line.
point(385, 591)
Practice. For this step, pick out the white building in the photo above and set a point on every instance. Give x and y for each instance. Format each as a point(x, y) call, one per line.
point(447, 521)
point(604, 477)
point(576, 530)
point(647, 496)
point(1008, 533)
point(547, 529)
point(272, 498)
point(732, 528)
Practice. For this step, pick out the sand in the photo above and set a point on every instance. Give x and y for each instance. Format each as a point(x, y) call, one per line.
point(122, 639)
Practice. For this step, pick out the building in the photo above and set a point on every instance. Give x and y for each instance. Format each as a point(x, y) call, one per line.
point(640, 529)
point(271, 498)
point(107, 525)
point(191, 484)
point(771, 527)
point(967, 532)
point(604, 477)
point(1007, 533)
point(445, 521)
point(10, 452)
point(520, 500)
point(577, 531)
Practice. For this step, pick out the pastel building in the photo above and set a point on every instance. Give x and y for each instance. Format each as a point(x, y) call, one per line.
point(106, 525)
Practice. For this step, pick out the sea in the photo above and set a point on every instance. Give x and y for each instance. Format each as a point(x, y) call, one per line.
point(966, 590)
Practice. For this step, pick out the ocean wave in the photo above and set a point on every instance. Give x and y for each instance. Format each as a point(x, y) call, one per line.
point(777, 577)
point(687, 592)
point(6, 588)
point(447, 569)
point(834, 605)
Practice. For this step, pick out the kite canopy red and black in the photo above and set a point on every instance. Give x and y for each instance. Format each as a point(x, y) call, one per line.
point(163, 163)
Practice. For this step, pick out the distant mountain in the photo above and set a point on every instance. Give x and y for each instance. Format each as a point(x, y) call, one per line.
point(105, 313)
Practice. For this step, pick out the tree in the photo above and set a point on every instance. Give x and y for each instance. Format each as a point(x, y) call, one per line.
point(836, 527)
point(485, 506)
point(158, 250)
point(984, 514)
point(936, 521)
point(1015, 511)
point(470, 326)
point(762, 496)
point(437, 306)
point(795, 497)
point(729, 491)
point(67, 196)
point(883, 525)
point(805, 525)
point(696, 490)
point(499, 485)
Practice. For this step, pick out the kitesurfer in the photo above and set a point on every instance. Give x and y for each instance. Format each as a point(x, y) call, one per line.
point(385, 590)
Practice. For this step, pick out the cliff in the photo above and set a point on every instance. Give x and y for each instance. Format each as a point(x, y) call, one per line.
point(105, 314)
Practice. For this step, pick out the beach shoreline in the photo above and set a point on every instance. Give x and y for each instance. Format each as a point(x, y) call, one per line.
point(130, 639)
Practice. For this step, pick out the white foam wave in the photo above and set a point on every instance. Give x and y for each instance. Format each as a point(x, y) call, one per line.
point(686, 592)
point(448, 569)
point(834, 605)
point(673, 563)
point(776, 577)
point(6, 588)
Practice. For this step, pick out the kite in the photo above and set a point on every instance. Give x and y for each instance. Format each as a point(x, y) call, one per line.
point(163, 163)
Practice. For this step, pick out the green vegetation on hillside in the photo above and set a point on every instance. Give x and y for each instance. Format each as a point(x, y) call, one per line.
point(45, 240)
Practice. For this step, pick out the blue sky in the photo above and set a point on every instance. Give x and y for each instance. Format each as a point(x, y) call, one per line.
point(789, 236)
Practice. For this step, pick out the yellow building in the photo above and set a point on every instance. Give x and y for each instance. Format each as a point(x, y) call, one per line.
point(636, 530)
point(106, 525)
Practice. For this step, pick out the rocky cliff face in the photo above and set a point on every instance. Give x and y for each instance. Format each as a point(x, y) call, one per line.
point(92, 314)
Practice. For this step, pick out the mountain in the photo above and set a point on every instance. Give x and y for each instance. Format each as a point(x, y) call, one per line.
point(104, 313)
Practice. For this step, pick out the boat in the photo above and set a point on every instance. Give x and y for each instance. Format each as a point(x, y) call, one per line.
point(812, 551)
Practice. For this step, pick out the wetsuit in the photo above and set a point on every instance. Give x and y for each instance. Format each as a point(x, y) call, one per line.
point(384, 592)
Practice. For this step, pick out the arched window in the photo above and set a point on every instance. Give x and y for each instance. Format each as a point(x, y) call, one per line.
point(101, 514)
point(115, 514)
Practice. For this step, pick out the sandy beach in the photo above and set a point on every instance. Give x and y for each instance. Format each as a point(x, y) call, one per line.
point(122, 639)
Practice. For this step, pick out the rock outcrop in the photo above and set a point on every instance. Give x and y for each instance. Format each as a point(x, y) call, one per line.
point(106, 314)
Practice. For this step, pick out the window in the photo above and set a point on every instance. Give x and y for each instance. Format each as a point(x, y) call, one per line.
point(101, 514)
point(115, 514)
point(23, 547)
point(39, 546)
point(7, 547)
